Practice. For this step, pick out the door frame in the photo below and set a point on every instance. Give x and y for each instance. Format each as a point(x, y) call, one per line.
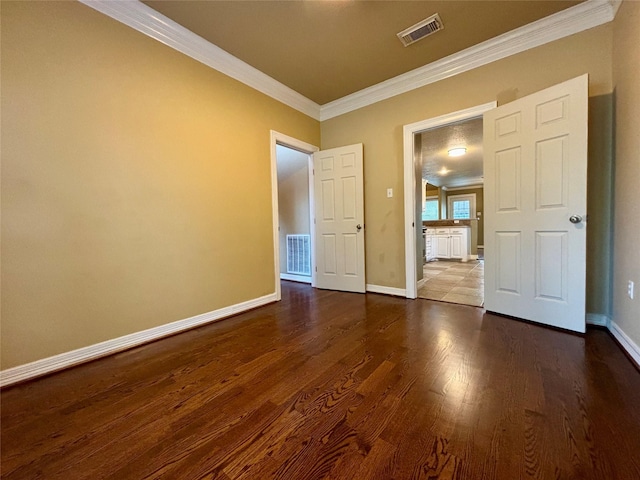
point(278, 138)
point(472, 202)
point(410, 199)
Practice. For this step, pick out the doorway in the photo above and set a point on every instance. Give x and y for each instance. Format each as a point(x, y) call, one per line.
point(293, 153)
point(294, 218)
point(446, 235)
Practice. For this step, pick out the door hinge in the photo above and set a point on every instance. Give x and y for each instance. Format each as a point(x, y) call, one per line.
point(413, 224)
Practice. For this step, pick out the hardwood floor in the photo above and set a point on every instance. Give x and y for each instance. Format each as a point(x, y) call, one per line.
point(338, 386)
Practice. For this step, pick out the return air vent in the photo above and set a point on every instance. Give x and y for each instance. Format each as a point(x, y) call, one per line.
point(420, 30)
point(299, 254)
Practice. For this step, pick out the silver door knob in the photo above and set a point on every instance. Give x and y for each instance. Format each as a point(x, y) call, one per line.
point(575, 218)
point(358, 227)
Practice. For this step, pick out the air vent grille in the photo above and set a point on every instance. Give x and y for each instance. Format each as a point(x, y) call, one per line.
point(420, 30)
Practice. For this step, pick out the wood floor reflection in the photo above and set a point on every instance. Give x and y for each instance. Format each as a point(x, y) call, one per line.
point(336, 385)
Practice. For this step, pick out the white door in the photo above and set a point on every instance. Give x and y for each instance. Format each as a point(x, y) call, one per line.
point(339, 217)
point(535, 172)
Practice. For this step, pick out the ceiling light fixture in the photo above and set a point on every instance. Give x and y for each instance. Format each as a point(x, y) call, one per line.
point(457, 152)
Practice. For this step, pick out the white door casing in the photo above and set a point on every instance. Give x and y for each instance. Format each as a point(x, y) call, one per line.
point(410, 161)
point(339, 218)
point(535, 174)
point(278, 138)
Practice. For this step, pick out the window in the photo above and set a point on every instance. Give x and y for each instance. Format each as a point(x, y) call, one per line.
point(430, 211)
point(462, 206)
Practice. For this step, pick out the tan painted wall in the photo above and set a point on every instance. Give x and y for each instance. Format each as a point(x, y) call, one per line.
point(293, 206)
point(626, 77)
point(379, 127)
point(135, 182)
point(600, 206)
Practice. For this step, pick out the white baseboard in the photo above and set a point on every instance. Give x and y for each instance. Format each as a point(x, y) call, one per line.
point(421, 282)
point(398, 292)
point(629, 345)
point(598, 319)
point(295, 278)
point(109, 347)
point(473, 257)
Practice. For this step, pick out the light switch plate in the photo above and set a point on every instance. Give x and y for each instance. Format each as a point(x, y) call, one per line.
point(389, 192)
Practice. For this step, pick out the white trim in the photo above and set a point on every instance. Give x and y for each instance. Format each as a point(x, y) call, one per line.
point(109, 347)
point(421, 282)
point(615, 5)
point(409, 183)
point(597, 319)
point(629, 345)
point(146, 20)
point(397, 292)
point(295, 278)
point(472, 207)
point(278, 138)
point(567, 22)
point(473, 257)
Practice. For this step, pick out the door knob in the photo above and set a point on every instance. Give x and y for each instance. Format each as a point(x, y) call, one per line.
point(358, 227)
point(575, 218)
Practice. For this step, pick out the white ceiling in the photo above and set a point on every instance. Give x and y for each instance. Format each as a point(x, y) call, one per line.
point(460, 171)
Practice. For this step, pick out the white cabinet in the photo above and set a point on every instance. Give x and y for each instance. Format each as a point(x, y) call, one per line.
point(429, 242)
point(443, 246)
point(456, 246)
point(453, 243)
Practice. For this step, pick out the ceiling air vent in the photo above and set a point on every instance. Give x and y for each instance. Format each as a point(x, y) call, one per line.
point(420, 30)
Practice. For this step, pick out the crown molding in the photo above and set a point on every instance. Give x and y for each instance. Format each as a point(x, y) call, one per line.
point(615, 5)
point(567, 22)
point(146, 20)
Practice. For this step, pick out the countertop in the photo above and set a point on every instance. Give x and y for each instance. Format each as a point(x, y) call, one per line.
point(447, 223)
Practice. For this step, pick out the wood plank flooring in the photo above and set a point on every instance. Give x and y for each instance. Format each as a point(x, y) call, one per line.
point(330, 385)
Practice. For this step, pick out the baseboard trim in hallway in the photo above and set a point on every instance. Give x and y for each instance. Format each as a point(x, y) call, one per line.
point(64, 360)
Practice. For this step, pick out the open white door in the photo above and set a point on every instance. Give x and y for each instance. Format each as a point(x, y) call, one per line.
point(535, 206)
point(339, 218)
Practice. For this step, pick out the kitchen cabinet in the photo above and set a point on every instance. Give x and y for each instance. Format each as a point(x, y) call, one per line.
point(454, 242)
point(429, 242)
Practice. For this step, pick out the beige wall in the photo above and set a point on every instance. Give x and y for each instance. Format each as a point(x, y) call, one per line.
point(135, 182)
point(379, 127)
point(600, 205)
point(127, 202)
point(293, 200)
point(626, 78)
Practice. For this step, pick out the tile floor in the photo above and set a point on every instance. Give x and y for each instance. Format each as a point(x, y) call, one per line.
point(454, 282)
